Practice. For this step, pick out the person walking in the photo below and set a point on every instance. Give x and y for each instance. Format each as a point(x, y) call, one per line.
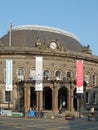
point(60, 109)
point(92, 110)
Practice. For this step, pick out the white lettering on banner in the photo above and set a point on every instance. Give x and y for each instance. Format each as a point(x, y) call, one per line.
point(79, 76)
point(79, 90)
point(9, 78)
point(39, 74)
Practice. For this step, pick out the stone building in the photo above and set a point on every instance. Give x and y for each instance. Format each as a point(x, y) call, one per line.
point(60, 51)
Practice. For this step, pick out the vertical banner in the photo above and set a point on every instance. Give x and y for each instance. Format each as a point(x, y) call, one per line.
point(79, 76)
point(39, 74)
point(9, 78)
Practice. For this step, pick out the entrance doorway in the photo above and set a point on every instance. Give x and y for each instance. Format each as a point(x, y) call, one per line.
point(75, 99)
point(33, 98)
point(47, 98)
point(62, 98)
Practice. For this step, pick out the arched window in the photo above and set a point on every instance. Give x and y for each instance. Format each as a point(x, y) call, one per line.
point(69, 75)
point(87, 97)
point(58, 75)
point(94, 79)
point(21, 74)
point(32, 74)
point(87, 78)
point(46, 74)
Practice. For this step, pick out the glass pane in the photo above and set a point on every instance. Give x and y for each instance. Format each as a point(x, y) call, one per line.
point(7, 96)
point(58, 74)
point(46, 74)
point(32, 74)
point(21, 74)
point(86, 97)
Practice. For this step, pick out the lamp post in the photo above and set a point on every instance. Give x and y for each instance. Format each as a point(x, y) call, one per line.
point(8, 99)
point(38, 92)
point(70, 82)
point(81, 98)
point(79, 103)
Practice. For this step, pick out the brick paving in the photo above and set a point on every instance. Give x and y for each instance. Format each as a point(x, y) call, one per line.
point(9, 123)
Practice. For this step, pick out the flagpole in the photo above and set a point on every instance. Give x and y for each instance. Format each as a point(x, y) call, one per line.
point(10, 37)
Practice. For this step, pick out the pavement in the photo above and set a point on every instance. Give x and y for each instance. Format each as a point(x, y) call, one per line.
point(23, 123)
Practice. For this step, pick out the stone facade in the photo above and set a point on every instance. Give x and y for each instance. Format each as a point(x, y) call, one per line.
point(59, 72)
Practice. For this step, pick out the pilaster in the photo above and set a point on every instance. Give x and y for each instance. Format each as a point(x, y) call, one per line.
point(55, 98)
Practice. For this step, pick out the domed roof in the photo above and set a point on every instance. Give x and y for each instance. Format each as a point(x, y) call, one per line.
point(26, 36)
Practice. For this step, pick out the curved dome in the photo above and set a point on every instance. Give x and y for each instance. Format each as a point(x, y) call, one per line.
point(26, 36)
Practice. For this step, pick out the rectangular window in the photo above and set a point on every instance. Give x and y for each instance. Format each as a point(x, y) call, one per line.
point(94, 98)
point(94, 80)
point(7, 96)
point(87, 98)
point(87, 78)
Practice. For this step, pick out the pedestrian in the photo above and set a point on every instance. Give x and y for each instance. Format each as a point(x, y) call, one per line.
point(60, 109)
point(92, 110)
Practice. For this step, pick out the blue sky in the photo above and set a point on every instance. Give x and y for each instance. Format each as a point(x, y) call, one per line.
point(79, 17)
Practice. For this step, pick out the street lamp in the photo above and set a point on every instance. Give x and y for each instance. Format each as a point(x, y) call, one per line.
point(71, 96)
point(8, 99)
point(81, 97)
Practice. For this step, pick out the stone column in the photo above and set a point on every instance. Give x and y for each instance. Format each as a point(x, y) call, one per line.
point(68, 97)
point(18, 97)
point(37, 100)
point(25, 99)
point(41, 100)
point(28, 98)
point(71, 98)
point(55, 98)
point(68, 100)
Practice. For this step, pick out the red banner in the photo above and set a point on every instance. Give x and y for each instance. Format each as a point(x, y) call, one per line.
point(79, 76)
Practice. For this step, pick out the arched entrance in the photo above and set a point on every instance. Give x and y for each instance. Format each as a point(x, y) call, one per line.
point(75, 99)
point(62, 98)
point(47, 98)
point(33, 98)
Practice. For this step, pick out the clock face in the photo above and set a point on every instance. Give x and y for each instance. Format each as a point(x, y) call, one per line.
point(53, 45)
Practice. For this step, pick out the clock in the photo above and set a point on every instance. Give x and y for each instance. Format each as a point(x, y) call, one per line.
point(53, 45)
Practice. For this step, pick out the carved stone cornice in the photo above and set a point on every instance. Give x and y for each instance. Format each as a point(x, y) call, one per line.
point(35, 51)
